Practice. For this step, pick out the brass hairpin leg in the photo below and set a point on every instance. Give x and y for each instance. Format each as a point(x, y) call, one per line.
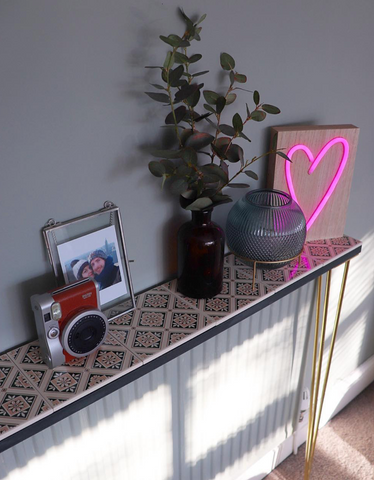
point(315, 418)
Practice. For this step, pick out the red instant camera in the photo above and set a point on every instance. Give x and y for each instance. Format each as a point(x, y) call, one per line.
point(69, 322)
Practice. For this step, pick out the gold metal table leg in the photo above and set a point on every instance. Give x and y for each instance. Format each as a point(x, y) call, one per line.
point(317, 399)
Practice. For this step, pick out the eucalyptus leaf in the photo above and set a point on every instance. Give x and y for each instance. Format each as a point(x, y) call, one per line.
point(189, 155)
point(248, 112)
point(209, 108)
point(219, 199)
point(151, 66)
point(199, 140)
point(184, 171)
point(180, 57)
point(159, 97)
point(242, 135)
point(169, 41)
point(209, 192)
point(199, 187)
point(232, 77)
point(186, 91)
point(256, 97)
point(238, 185)
point(213, 169)
point(188, 21)
point(225, 168)
point(198, 74)
point(203, 17)
point(169, 60)
point(237, 123)
point(235, 154)
point(179, 114)
point(210, 178)
point(220, 104)
point(156, 168)
point(251, 174)
point(227, 129)
point(222, 142)
point(175, 75)
point(166, 153)
point(159, 87)
point(258, 116)
point(193, 99)
point(181, 42)
point(184, 135)
point(211, 97)
point(227, 62)
point(283, 155)
point(220, 147)
point(178, 185)
point(202, 117)
point(230, 98)
point(189, 194)
point(240, 78)
point(212, 124)
point(196, 37)
point(195, 58)
point(270, 109)
point(169, 166)
point(219, 152)
point(180, 83)
point(200, 204)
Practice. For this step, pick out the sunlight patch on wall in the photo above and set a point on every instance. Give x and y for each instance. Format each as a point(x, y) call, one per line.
point(115, 447)
point(347, 349)
point(233, 391)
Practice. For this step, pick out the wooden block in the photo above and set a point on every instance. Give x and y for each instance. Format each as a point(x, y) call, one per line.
point(320, 175)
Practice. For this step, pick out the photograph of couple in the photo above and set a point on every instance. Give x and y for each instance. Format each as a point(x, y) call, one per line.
point(98, 265)
point(95, 255)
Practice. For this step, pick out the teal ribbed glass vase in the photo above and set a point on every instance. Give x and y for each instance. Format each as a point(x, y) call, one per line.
point(266, 226)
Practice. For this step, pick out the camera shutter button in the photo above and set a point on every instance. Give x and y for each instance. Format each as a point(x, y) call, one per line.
point(54, 332)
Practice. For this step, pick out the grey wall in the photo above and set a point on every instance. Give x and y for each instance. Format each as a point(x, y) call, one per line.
point(74, 120)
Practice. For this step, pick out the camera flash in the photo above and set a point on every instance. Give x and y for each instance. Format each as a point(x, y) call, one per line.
point(56, 311)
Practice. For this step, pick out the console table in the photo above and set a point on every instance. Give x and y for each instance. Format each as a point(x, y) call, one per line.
point(164, 325)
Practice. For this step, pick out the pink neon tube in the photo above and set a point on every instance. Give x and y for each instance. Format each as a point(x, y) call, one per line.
point(314, 164)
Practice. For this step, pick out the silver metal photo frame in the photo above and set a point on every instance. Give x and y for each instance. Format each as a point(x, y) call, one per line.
point(93, 245)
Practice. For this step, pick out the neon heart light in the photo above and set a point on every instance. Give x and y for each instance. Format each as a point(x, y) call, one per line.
point(314, 164)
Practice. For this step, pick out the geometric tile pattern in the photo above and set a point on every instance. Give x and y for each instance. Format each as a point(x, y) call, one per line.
point(161, 319)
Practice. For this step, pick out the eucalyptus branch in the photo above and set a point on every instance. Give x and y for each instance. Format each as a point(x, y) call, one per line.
point(174, 117)
point(197, 178)
point(171, 101)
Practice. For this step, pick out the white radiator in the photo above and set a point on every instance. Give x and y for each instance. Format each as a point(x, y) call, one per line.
point(206, 415)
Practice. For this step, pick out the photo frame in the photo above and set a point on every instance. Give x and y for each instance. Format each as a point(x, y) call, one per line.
point(93, 245)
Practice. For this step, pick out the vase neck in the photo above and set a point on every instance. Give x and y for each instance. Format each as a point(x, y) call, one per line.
point(202, 217)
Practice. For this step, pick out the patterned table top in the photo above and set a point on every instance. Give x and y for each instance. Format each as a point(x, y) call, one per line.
point(162, 319)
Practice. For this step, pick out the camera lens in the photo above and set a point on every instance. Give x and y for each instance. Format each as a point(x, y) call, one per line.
point(85, 333)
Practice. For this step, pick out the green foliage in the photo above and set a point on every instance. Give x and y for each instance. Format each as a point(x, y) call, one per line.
point(201, 185)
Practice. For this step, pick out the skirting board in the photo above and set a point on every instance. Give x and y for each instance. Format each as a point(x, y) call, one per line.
point(337, 397)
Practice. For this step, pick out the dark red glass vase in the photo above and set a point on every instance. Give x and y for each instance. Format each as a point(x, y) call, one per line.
point(200, 256)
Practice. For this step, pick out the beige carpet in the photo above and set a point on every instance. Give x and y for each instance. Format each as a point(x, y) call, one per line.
point(345, 446)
